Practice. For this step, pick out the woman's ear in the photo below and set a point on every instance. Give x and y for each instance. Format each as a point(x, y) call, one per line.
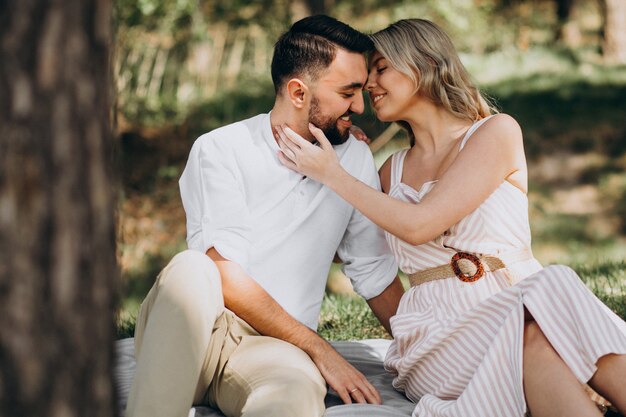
point(297, 92)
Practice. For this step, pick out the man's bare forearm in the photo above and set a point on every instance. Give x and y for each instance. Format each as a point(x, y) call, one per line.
point(246, 298)
point(385, 305)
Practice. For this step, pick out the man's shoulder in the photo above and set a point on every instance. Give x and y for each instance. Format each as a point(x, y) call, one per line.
point(233, 135)
point(357, 147)
point(356, 157)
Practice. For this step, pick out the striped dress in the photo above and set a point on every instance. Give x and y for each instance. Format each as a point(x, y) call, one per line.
point(457, 348)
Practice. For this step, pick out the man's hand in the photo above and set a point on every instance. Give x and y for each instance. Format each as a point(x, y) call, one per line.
point(344, 378)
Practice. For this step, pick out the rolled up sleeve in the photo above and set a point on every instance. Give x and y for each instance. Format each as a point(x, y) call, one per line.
point(367, 259)
point(214, 201)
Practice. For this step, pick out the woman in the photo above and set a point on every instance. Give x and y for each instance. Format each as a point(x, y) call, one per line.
point(484, 330)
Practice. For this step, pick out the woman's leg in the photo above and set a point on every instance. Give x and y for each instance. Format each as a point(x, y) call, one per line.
point(550, 387)
point(580, 328)
point(610, 380)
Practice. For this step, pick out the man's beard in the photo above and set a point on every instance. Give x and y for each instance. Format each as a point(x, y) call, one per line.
point(327, 124)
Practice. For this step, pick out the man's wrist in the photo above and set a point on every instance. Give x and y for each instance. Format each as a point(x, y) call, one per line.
point(316, 347)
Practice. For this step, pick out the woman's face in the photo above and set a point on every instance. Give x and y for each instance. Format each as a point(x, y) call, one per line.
point(390, 91)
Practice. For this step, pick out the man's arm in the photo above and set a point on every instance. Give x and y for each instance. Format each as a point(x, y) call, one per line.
point(385, 305)
point(246, 298)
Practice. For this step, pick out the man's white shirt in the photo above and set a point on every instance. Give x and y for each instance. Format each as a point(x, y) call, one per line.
point(282, 228)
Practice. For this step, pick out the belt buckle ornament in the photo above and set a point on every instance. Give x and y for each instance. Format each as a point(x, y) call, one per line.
point(480, 270)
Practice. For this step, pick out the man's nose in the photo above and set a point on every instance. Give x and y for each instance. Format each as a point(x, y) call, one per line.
point(358, 105)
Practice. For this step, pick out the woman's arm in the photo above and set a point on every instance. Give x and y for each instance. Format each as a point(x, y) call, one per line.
point(492, 155)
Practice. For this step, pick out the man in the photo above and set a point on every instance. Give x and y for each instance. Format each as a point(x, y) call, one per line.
point(236, 328)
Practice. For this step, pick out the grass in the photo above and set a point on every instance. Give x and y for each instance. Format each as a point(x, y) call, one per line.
point(348, 317)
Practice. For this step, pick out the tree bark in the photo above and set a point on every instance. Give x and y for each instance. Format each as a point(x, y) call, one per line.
point(614, 46)
point(57, 227)
point(568, 31)
point(303, 8)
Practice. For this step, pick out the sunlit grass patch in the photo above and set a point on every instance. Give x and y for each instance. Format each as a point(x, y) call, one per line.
point(608, 281)
point(346, 317)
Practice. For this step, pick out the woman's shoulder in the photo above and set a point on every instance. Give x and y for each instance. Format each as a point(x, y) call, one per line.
point(386, 171)
point(499, 130)
point(502, 123)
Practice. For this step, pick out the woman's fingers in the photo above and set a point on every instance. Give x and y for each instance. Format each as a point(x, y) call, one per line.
point(358, 133)
point(286, 151)
point(284, 159)
point(320, 136)
point(285, 141)
point(312, 161)
point(293, 137)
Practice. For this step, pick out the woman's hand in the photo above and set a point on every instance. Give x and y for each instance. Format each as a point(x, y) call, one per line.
point(317, 162)
point(358, 133)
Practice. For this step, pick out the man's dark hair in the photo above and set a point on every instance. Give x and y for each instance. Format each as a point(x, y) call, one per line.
point(310, 46)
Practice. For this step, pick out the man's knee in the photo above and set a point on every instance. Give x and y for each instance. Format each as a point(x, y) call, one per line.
point(194, 271)
point(189, 285)
point(296, 394)
point(276, 379)
point(195, 261)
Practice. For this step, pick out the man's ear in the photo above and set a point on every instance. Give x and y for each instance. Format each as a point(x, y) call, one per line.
point(298, 92)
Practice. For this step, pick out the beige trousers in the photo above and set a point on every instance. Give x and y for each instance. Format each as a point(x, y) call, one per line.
point(191, 350)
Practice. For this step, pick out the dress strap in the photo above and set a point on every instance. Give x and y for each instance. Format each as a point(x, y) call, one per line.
point(472, 129)
point(397, 164)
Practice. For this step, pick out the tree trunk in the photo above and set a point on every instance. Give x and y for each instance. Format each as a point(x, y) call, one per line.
point(57, 227)
point(303, 8)
point(614, 46)
point(568, 31)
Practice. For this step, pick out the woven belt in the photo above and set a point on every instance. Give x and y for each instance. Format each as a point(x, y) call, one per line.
point(469, 267)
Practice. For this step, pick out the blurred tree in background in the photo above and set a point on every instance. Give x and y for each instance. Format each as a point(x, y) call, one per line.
point(58, 270)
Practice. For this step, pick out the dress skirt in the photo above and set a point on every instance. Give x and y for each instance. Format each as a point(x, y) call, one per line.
point(457, 349)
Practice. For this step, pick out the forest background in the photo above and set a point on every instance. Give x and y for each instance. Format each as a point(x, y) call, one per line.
point(184, 67)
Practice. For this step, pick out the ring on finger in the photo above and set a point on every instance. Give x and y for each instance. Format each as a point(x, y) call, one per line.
point(353, 390)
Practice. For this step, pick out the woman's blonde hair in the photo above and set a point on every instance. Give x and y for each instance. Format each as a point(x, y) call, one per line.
point(422, 51)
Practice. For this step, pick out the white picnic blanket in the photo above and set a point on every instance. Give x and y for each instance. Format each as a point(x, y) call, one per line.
point(366, 355)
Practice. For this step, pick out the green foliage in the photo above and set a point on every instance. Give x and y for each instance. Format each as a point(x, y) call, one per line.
point(571, 228)
point(562, 105)
point(174, 15)
point(140, 278)
point(246, 100)
point(151, 15)
point(125, 326)
point(613, 192)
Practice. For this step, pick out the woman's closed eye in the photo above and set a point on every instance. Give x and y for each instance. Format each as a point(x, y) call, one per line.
point(380, 70)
